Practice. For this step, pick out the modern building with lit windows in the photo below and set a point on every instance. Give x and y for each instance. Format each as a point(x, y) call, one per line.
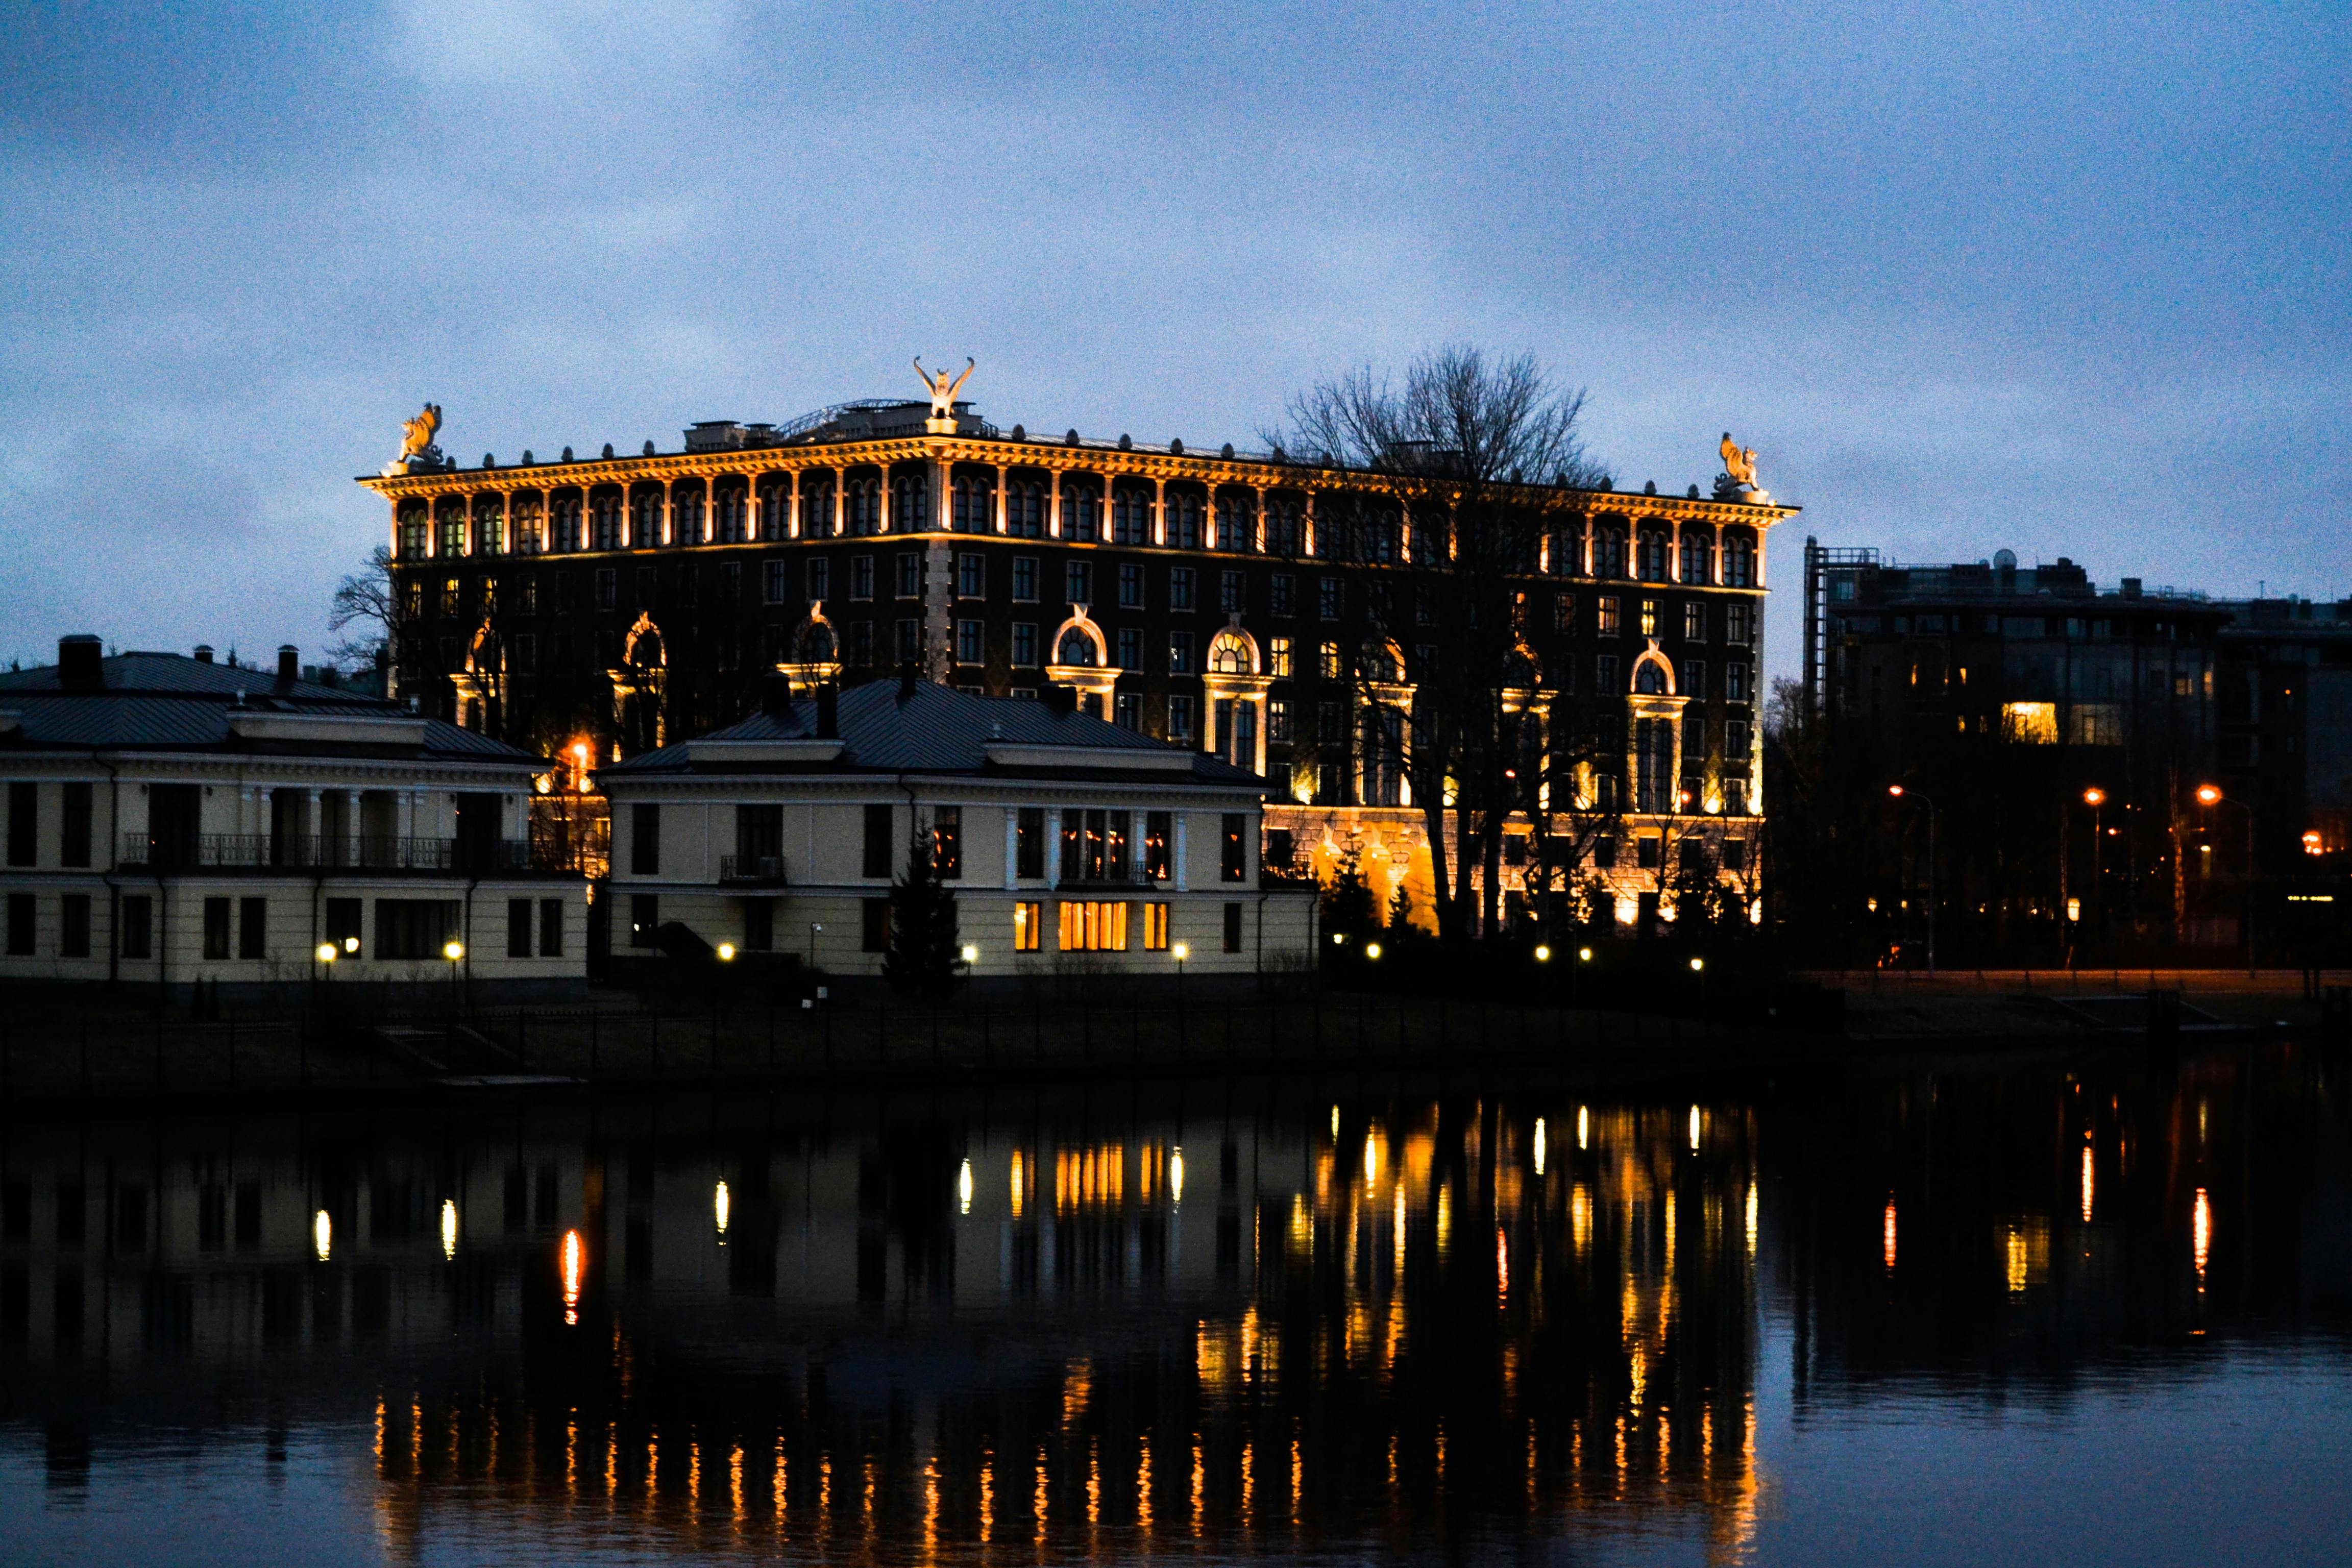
point(171, 820)
point(1204, 597)
point(1072, 845)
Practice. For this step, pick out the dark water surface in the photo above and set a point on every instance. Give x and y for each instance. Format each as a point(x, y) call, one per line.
point(2083, 1312)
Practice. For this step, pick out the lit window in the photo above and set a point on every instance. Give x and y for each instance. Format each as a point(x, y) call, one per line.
point(1028, 927)
point(1091, 925)
point(1155, 927)
point(2030, 723)
point(1277, 658)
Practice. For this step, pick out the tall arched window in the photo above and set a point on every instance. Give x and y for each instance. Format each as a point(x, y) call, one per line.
point(816, 506)
point(910, 503)
point(1649, 680)
point(645, 519)
point(687, 515)
point(865, 507)
point(1654, 556)
point(563, 522)
point(416, 532)
point(727, 519)
point(1235, 523)
point(453, 529)
point(1076, 648)
point(1609, 551)
point(530, 531)
point(1081, 511)
point(489, 525)
point(975, 505)
point(1024, 509)
point(1739, 562)
point(1568, 550)
point(1282, 526)
point(1130, 515)
point(773, 508)
point(1698, 556)
point(1183, 521)
point(607, 521)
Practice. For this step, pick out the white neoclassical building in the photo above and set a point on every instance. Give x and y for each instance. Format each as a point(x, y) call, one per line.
point(1070, 843)
point(171, 820)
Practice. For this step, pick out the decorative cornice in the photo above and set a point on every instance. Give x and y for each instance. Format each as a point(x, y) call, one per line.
point(1211, 469)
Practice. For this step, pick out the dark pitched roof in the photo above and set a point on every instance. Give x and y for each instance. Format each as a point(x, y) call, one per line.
point(168, 701)
point(938, 730)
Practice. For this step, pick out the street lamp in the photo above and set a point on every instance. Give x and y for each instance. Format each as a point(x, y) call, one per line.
point(726, 953)
point(1180, 952)
point(2095, 797)
point(1898, 793)
point(455, 951)
point(1543, 953)
point(2211, 796)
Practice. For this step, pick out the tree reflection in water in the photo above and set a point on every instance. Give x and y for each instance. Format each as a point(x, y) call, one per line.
point(1030, 1323)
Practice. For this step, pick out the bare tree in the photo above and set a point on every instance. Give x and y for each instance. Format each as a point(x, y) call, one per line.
point(1475, 454)
point(369, 600)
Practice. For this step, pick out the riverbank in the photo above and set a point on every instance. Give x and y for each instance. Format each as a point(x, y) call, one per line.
point(622, 1041)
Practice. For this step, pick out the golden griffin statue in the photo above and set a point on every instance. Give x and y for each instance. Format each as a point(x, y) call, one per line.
point(1739, 464)
point(943, 387)
point(416, 435)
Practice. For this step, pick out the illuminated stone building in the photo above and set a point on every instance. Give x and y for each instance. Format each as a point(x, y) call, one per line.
point(1191, 594)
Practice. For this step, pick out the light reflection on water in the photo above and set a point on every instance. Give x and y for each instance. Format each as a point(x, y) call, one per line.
point(1736, 1327)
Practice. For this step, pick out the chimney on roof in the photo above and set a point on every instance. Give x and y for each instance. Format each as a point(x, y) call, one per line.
point(2131, 587)
point(204, 653)
point(81, 663)
point(1060, 701)
point(776, 695)
point(289, 666)
point(828, 711)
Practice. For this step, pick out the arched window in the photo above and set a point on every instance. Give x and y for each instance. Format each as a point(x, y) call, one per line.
point(1229, 655)
point(1654, 556)
point(529, 535)
point(1568, 550)
point(1130, 515)
point(1608, 551)
point(1183, 521)
point(687, 515)
point(773, 508)
point(645, 519)
point(1024, 509)
point(416, 532)
point(816, 644)
point(563, 523)
point(1282, 526)
point(607, 521)
point(1739, 562)
point(1649, 679)
point(816, 506)
point(729, 515)
point(1698, 556)
point(975, 505)
point(1236, 523)
point(865, 497)
point(453, 529)
point(1077, 649)
point(1081, 511)
point(490, 526)
point(910, 503)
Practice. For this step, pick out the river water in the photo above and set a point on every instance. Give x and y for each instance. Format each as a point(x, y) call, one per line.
point(2092, 1311)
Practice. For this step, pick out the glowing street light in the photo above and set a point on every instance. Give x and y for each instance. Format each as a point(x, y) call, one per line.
point(327, 952)
point(449, 1228)
point(720, 1206)
point(322, 1234)
point(1543, 955)
point(1698, 964)
point(452, 950)
point(972, 953)
point(1584, 956)
point(2209, 794)
point(1372, 950)
point(726, 953)
point(2095, 796)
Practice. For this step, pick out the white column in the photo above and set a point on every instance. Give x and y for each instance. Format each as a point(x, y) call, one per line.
point(999, 509)
point(1054, 516)
point(1159, 513)
point(1183, 880)
point(887, 503)
point(1257, 521)
point(840, 499)
point(1011, 846)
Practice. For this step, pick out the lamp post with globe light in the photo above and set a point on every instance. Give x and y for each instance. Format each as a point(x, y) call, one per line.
point(2210, 795)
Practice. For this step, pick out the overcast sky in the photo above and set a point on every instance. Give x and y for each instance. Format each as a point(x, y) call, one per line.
point(2073, 281)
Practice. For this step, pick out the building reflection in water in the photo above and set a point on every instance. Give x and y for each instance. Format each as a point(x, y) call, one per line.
point(1023, 1327)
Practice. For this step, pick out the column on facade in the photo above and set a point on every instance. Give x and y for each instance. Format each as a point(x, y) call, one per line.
point(1306, 543)
point(1054, 517)
point(1258, 519)
point(840, 499)
point(1003, 480)
point(1159, 513)
point(942, 497)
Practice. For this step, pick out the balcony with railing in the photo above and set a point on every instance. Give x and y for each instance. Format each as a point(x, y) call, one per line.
point(752, 870)
point(328, 852)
